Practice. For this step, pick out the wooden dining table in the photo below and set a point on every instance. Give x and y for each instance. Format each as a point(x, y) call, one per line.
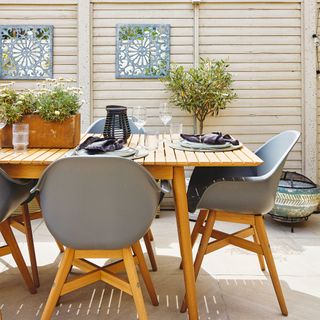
point(164, 163)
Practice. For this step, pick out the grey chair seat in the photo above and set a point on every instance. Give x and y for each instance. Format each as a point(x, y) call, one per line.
point(203, 177)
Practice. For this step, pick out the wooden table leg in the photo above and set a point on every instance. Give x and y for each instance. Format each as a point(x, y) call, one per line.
point(179, 188)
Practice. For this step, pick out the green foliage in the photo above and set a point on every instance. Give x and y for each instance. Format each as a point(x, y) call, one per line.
point(201, 91)
point(53, 101)
point(8, 104)
point(59, 103)
point(132, 32)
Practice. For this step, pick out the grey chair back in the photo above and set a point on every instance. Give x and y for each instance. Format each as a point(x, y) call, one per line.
point(254, 192)
point(275, 151)
point(99, 202)
point(13, 193)
point(97, 127)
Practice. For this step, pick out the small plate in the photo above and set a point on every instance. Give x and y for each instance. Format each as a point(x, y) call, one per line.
point(178, 146)
point(124, 152)
point(198, 145)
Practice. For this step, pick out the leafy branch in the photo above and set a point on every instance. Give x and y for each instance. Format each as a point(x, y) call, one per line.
point(201, 91)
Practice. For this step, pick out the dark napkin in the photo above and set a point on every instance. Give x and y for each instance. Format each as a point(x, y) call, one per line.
point(95, 145)
point(210, 138)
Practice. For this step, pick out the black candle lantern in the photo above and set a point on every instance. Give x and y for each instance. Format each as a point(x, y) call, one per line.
point(117, 124)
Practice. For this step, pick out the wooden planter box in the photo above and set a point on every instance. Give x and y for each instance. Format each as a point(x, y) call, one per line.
point(47, 134)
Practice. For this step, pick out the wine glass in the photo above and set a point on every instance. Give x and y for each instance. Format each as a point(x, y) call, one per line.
point(139, 118)
point(165, 115)
point(3, 122)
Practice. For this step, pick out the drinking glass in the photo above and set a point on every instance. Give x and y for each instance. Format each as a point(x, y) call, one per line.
point(139, 118)
point(20, 137)
point(3, 122)
point(151, 140)
point(175, 131)
point(165, 115)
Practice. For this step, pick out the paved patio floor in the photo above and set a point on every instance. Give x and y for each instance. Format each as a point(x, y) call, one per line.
point(230, 286)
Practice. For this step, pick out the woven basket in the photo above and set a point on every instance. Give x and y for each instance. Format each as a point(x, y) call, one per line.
point(297, 196)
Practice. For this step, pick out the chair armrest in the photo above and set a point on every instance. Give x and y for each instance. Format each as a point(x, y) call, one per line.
point(250, 195)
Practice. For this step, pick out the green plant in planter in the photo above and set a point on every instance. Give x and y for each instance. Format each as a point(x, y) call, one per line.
point(8, 99)
point(57, 101)
point(201, 91)
point(54, 100)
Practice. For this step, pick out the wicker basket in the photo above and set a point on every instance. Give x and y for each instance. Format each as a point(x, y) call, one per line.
point(297, 198)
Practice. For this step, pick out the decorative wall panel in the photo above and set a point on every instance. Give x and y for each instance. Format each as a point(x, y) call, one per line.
point(142, 51)
point(26, 51)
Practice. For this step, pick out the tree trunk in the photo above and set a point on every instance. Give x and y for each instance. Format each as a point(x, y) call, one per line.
point(201, 126)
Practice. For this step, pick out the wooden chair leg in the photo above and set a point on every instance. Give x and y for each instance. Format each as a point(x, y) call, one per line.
point(134, 283)
point(58, 283)
point(152, 258)
point(145, 273)
point(151, 237)
point(260, 256)
point(202, 250)
point(30, 242)
point(195, 231)
point(261, 231)
point(60, 246)
point(16, 253)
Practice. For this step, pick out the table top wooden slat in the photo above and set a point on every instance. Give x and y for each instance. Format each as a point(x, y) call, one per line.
point(43, 157)
point(232, 156)
point(160, 156)
point(35, 156)
point(170, 156)
point(201, 156)
point(246, 160)
point(223, 158)
point(250, 154)
point(212, 157)
point(163, 156)
point(11, 155)
point(180, 157)
point(56, 156)
point(191, 157)
point(23, 156)
point(5, 152)
point(149, 159)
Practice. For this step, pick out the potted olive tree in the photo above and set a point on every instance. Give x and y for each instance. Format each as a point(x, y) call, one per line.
point(201, 91)
point(52, 112)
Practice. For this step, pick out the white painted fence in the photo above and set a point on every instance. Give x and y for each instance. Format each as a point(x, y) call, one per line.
point(267, 43)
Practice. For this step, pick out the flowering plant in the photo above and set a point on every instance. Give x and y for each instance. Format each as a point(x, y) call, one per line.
point(53, 100)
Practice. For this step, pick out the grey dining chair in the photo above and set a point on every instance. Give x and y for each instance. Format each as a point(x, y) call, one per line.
point(101, 208)
point(240, 195)
point(13, 194)
point(97, 127)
